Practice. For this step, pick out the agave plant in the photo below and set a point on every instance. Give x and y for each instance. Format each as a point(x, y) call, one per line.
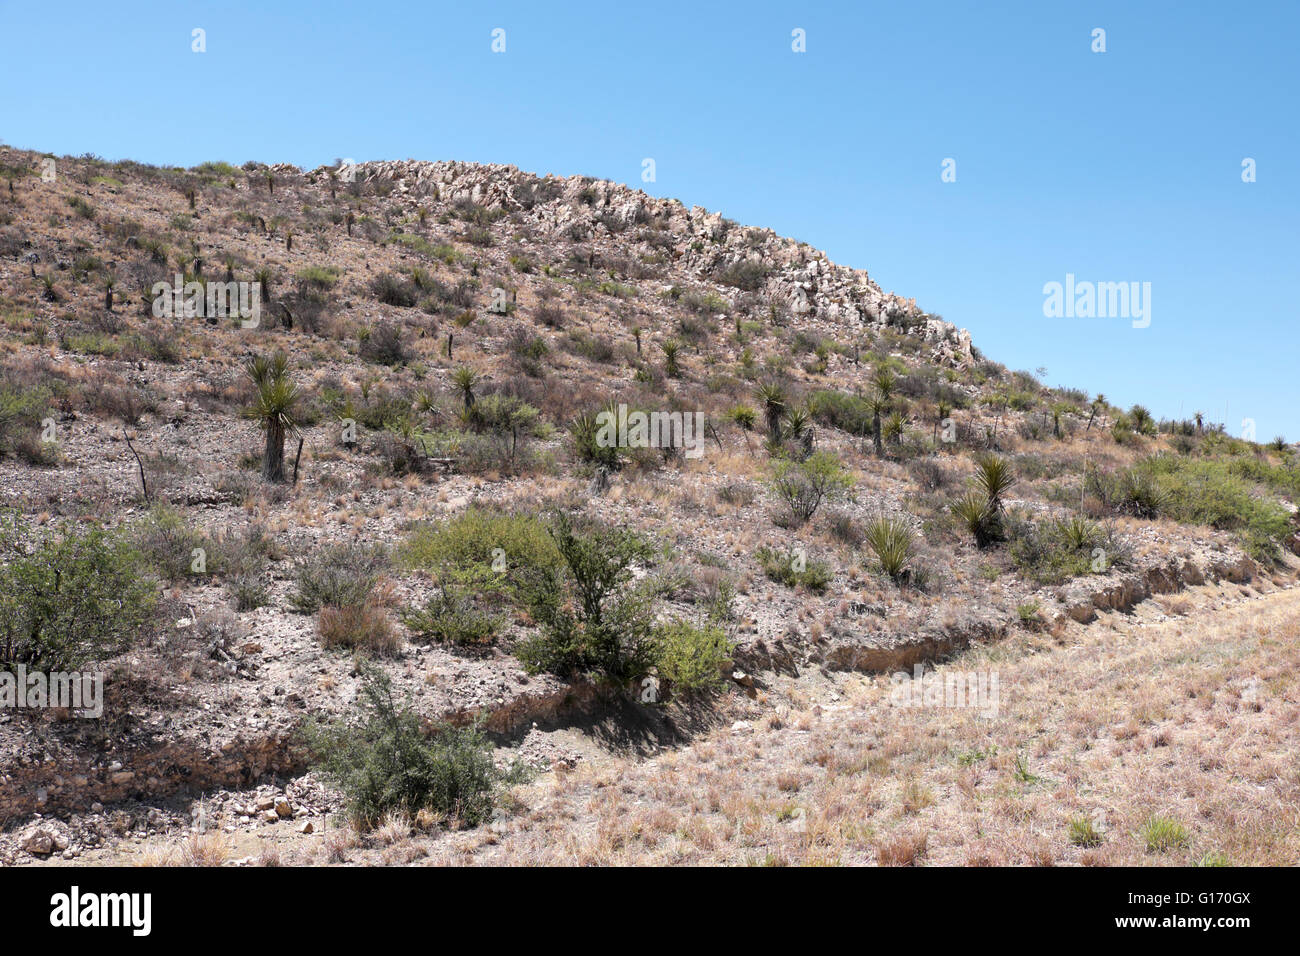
point(274, 405)
point(893, 541)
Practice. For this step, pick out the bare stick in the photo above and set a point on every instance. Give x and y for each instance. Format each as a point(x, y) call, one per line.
point(139, 463)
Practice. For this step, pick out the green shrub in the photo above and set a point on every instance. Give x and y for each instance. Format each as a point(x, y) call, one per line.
point(341, 575)
point(691, 658)
point(386, 763)
point(70, 596)
point(803, 486)
point(595, 616)
point(450, 617)
point(169, 542)
point(491, 552)
point(1058, 549)
point(793, 568)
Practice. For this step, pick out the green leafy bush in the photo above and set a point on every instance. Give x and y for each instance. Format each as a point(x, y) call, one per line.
point(385, 763)
point(803, 486)
point(595, 615)
point(691, 658)
point(70, 596)
point(793, 568)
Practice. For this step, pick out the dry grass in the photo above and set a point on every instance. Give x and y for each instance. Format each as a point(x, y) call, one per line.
point(1193, 722)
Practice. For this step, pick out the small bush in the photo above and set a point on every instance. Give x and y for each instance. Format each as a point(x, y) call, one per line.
point(336, 576)
point(383, 344)
point(596, 616)
point(803, 486)
point(363, 626)
point(691, 658)
point(450, 617)
point(386, 763)
point(392, 289)
point(70, 596)
point(793, 568)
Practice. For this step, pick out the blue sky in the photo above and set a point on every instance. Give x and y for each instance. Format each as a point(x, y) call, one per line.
point(1115, 166)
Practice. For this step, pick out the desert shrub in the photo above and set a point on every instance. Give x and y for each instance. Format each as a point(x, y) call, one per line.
point(168, 541)
point(490, 551)
point(362, 626)
point(737, 493)
point(70, 596)
point(386, 763)
point(340, 575)
point(21, 413)
point(1197, 491)
point(450, 617)
point(794, 568)
point(803, 486)
point(550, 315)
point(1056, 550)
point(596, 617)
point(508, 420)
point(691, 658)
point(841, 410)
point(747, 274)
point(382, 343)
point(528, 350)
point(392, 289)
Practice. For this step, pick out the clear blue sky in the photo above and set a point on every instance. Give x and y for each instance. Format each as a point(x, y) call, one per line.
point(1115, 166)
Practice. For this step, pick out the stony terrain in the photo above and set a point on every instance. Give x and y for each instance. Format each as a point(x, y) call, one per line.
point(382, 281)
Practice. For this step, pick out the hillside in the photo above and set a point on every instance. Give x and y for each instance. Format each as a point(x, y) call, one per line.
point(867, 493)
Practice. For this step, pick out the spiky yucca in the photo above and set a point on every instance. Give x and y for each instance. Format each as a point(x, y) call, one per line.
point(274, 404)
point(893, 541)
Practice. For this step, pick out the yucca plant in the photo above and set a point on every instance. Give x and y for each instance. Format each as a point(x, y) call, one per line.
point(894, 427)
point(972, 510)
point(980, 509)
point(797, 420)
point(465, 378)
point(943, 410)
point(274, 406)
point(671, 350)
point(883, 383)
point(893, 541)
point(774, 401)
point(1078, 532)
point(994, 477)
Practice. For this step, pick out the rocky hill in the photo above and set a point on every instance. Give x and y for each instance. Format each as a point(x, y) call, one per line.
point(389, 465)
